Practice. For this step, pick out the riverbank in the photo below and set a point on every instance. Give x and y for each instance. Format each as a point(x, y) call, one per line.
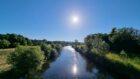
point(8, 71)
point(124, 66)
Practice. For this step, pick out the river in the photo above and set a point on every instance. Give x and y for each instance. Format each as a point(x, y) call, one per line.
point(71, 65)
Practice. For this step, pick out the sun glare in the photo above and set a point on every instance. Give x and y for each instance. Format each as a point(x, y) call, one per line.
point(75, 19)
point(74, 22)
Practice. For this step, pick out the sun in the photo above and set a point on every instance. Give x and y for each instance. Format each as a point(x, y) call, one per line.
point(74, 22)
point(75, 19)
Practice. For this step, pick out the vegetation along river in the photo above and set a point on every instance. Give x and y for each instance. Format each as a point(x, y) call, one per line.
point(71, 65)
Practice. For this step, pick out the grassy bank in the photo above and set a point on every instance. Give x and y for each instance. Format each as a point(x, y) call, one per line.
point(134, 62)
point(23, 62)
point(32, 58)
point(3, 59)
point(124, 66)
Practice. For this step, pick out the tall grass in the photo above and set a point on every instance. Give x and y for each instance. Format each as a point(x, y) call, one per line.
point(3, 59)
point(135, 62)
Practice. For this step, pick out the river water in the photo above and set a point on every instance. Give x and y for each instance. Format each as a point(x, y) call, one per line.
point(71, 65)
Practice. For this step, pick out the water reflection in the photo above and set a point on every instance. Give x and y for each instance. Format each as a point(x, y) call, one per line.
point(74, 69)
point(71, 65)
point(69, 48)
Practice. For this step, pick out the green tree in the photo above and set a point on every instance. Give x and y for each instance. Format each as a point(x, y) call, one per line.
point(49, 50)
point(126, 39)
point(98, 41)
point(53, 53)
point(4, 43)
point(15, 39)
point(26, 59)
point(113, 31)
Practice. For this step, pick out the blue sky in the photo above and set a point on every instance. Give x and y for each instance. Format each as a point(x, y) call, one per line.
point(50, 19)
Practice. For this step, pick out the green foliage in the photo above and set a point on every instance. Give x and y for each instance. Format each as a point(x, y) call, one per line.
point(102, 49)
point(125, 39)
point(26, 59)
point(96, 42)
point(125, 42)
point(127, 61)
point(4, 43)
point(15, 40)
point(54, 53)
point(80, 48)
point(39, 42)
point(49, 51)
point(58, 47)
point(4, 66)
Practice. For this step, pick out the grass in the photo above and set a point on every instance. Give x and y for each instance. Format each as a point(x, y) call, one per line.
point(4, 66)
point(6, 70)
point(135, 62)
point(3, 56)
point(123, 64)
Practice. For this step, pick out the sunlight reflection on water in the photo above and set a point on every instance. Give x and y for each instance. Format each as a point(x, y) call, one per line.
point(74, 66)
point(71, 65)
point(69, 48)
point(74, 69)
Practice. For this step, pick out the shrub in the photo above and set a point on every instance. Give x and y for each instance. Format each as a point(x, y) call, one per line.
point(54, 53)
point(49, 50)
point(4, 43)
point(26, 59)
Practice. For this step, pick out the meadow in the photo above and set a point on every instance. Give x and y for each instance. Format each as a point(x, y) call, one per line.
point(4, 66)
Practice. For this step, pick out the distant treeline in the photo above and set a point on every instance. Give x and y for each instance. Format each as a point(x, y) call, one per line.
point(13, 40)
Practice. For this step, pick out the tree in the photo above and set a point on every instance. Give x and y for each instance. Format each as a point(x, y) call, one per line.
point(97, 41)
point(113, 31)
point(4, 43)
point(15, 39)
point(125, 39)
point(26, 59)
point(49, 50)
point(53, 53)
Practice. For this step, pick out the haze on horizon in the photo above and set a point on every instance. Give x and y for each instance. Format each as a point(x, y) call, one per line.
point(67, 19)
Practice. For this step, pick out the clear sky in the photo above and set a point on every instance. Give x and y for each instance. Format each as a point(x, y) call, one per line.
point(51, 19)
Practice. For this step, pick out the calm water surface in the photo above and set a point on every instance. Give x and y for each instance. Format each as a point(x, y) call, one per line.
point(71, 65)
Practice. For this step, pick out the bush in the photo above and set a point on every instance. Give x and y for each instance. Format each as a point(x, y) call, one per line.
point(47, 50)
point(98, 42)
point(26, 59)
point(4, 43)
point(80, 48)
point(54, 53)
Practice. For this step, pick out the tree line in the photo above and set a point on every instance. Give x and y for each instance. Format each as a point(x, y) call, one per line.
point(127, 39)
point(13, 40)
